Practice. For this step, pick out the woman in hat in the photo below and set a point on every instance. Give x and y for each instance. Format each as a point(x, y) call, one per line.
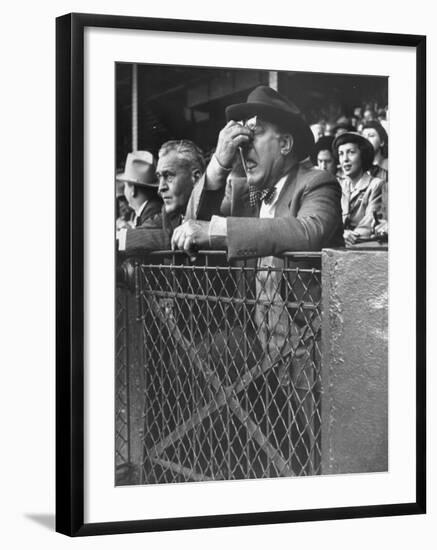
point(361, 192)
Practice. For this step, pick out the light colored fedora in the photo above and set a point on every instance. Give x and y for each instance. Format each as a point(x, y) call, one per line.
point(139, 169)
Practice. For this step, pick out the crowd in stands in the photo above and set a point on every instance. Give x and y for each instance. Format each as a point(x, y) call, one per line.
point(156, 197)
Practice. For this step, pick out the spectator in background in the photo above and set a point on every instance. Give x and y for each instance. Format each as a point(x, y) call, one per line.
point(180, 166)
point(329, 129)
point(358, 112)
point(342, 126)
point(318, 130)
point(125, 214)
point(323, 157)
point(361, 192)
point(354, 123)
point(381, 115)
point(140, 186)
point(375, 133)
point(368, 115)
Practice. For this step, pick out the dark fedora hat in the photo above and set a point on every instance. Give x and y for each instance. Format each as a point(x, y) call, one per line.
point(139, 169)
point(366, 148)
point(272, 107)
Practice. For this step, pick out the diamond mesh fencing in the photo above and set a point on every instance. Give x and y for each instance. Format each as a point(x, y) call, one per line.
point(122, 404)
point(231, 367)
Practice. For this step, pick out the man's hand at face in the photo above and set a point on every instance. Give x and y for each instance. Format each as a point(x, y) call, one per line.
point(191, 236)
point(232, 136)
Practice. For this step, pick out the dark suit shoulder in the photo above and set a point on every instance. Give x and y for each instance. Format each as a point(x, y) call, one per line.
point(153, 221)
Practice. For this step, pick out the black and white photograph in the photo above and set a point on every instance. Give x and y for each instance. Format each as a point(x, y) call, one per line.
point(251, 227)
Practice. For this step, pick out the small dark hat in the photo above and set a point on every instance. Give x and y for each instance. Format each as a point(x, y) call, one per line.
point(272, 107)
point(366, 148)
point(139, 170)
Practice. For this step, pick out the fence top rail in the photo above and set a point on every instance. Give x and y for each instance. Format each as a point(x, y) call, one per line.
point(222, 253)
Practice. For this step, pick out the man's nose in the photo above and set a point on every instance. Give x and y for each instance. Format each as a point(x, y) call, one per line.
point(162, 185)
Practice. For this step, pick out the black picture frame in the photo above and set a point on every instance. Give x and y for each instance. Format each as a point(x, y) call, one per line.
point(70, 273)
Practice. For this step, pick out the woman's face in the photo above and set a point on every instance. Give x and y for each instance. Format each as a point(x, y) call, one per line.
point(372, 135)
point(349, 156)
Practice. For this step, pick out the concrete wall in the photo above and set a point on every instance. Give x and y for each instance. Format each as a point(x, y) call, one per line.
point(355, 361)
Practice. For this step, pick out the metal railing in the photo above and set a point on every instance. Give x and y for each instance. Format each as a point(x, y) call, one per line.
point(231, 366)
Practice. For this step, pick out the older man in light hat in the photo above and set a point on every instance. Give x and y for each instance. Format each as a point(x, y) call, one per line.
point(140, 190)
point(140, 186)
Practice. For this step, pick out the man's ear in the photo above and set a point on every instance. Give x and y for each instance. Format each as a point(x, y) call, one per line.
point(286, 143)
point(196, 174)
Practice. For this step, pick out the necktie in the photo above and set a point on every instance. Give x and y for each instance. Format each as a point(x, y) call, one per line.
point(256, 196)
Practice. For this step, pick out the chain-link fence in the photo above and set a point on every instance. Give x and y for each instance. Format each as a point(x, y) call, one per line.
point(122, 450)
point(231, 366)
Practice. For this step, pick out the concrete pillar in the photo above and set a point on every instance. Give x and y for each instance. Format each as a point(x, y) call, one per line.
point(354, 361)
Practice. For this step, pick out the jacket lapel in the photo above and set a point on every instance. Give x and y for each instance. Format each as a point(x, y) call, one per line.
point(287, 192)
point(360, 187)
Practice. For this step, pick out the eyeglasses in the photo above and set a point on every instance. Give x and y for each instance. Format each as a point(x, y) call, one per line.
point(251, 123)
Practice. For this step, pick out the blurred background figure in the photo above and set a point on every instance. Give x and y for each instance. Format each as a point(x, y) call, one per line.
point(342, 126)
point(141, 186)
point(322, 156)
point(124, 213)
point(361, 192)
point(368, 114)
point(358, 113)
point(381, 115)
point(329, 129)
point(318, 130)
point(375, 133)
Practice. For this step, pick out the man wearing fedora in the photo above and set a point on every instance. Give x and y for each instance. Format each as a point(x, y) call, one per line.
point(282, 204)
point(140, 189)
point(180, 166)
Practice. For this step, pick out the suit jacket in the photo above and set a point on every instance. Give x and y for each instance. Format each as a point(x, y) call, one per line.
point(308, 217)
point(150, 211)
point(153, 234)
point(360, 203)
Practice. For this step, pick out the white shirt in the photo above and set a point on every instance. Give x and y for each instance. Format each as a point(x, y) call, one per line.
point(269, 210)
